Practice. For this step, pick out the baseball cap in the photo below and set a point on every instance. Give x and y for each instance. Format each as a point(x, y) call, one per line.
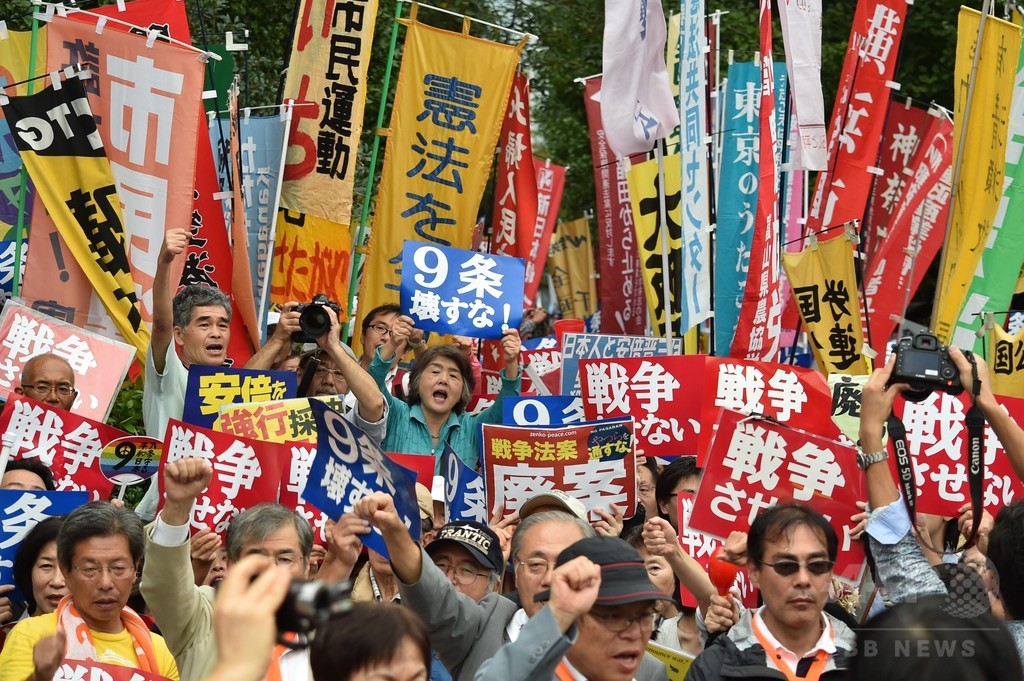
point(557, 498)
point(481, 542)
point(624, 578)
point(425, 502)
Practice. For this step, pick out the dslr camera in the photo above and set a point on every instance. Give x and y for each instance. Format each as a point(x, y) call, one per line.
point(924, 363)
point(307, 605)
point(313, 319)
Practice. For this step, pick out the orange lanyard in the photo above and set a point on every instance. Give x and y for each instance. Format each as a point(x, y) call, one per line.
point(813, 673)
point(562, 672)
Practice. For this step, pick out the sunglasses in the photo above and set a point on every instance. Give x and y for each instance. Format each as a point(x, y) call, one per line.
point(785, 568)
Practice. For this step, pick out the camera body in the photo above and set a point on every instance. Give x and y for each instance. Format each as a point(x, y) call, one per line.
point(923, 363)
point(307, 605)
point(313, 319)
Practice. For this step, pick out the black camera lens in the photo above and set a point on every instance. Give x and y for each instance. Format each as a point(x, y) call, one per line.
point(948, 372)
point(314, 321)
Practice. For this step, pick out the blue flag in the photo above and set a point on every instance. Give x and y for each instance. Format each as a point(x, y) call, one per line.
point(349, 466)
point(20, 511)
point(463, 489)
point(210, 388)
point(465, 293)
point(542, 410)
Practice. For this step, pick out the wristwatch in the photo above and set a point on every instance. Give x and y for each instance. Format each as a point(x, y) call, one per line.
point(865, 459)
point(416, 346)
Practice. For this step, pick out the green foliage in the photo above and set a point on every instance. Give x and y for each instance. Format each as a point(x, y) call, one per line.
point(126, 414)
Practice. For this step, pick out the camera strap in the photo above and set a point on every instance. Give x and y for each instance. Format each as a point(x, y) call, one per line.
point(974, 445)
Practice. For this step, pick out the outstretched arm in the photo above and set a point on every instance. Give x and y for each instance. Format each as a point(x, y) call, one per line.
point(175, 243)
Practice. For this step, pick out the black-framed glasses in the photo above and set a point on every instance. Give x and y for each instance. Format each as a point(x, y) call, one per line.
point(464, 574)
point(618, 623)
point(785, 568)
point(381, 329)
point(62, 389)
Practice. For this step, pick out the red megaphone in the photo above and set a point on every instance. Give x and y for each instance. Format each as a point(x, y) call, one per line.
point(721, 572)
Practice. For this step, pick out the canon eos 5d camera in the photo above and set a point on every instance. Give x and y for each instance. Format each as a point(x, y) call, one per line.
point(923, 362)
point(313, 319)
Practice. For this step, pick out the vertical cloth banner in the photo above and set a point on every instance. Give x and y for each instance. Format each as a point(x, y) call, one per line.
point(980, 178)
point(515, 184)
point(758, 328)
point(1006, 363)
point(855, 131)
point(147, 100)
point(824, 283)
point(573, 269)
point(695, 214)
point(311, 256)
point(463, 490)
point(802, 21)
point(449, 101)
point(327, 79)
point(622, 285)
point(65, 156)
point(550, 184)
point(636, 104)
point(241, 277)
point(994, 281)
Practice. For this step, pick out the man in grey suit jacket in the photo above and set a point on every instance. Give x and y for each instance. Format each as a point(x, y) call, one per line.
point(465, 633)
point(596, 624)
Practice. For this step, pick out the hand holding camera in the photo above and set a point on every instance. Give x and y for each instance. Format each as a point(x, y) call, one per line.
point(314, 321)
point(924, 364)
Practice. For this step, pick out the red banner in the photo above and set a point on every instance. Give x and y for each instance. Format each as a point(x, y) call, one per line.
point(245, 472)
point(515, 183)
point(701, 547)
point(841, 193)
point(662, 394)
point(915, 234)
point(299, 457)
point(758, 329)
point(936, 435)
point(623, 305)
point(754, 464)
point(550, 184)
point(593, 462)
point(69, 445)
point(70, 670)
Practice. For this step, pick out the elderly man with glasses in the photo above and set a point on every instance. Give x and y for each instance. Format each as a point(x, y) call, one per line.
point(50, 379)
point(99, 549)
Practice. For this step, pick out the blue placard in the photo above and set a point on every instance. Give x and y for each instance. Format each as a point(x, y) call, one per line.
point(349, 466)
point(465, 293)
point(597, 346)
point(463, 489)
point(210, 388)
point(20, 511)
point(542, 410)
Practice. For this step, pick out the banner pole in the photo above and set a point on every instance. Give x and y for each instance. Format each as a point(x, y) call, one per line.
point(663, 228)
point(357, 243)
point(19, 232)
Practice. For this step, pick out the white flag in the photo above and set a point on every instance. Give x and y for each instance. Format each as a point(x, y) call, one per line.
point(637, 107)
point(801, 34)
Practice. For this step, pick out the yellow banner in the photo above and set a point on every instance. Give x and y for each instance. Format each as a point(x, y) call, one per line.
point(824, 284)
point(14, 59)
point(311, 256)
point(643, 194)
point(276, 421)
point(65, 159)
point(327, 78)
point(980, 178)
point(573, 268)
point(450, 98)
point(1006, 362)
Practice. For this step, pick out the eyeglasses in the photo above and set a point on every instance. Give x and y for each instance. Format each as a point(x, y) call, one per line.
point(464, 574)
point(62, 389)
point(785, 568)
point(338, 374)
point(537, 566)
point(618, 623)
point(381, 329)
point(92, 572)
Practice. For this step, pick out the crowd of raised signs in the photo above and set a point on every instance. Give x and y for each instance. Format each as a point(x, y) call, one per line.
point(281, 539)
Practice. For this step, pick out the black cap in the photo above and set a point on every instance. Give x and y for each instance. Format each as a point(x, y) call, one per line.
point(623, 575)
point(481, 542)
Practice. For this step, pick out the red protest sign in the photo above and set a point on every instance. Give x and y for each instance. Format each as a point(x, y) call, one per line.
point(791, 395)
point(754, 464)
point(245, 472)
point(70, 445)
point(422, 465)
point(593, 462)
point(936, 435)
point(298, 457)
point(546, 365)
point(701, 547)
point(662, 394)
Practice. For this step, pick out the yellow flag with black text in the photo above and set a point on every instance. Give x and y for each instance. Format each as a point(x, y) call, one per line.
point(56, 134)
point(1006, 362)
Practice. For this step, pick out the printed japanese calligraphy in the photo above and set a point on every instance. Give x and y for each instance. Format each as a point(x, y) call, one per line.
point(594, 462)
point(245, 472)
point(701, 547)
point(311, 256)
point(1006, 362)
point(662, 394)
point(550, 184)
point(210, 388)
point(515, 190)
point(130, 460)
point(70, 670)
point(463, 490)
point(69, 444)
point(846, 392)
point(100, 364)
point(824, 284)
point(275, 421)
point(298, 457)
point(20, 511)
point(466, 293)
point(754, 464)
point(542, 371)
point(445, 121)
point(349, 465)
point(542, 410)
point(976, 198)
point(570, 263)
point(597, 346)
